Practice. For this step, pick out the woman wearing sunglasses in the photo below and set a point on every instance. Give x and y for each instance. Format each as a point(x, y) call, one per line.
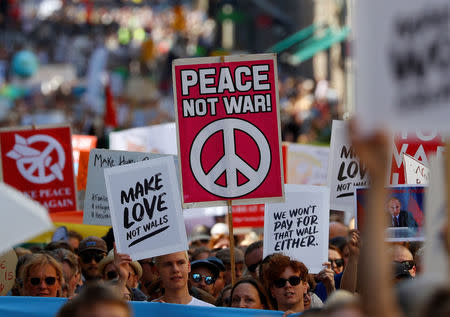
point(249, 293)
point(42, 276)
point(285, 282)
point(335, 258)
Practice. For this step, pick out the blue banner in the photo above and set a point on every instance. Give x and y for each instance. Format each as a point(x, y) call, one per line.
point(23, 306)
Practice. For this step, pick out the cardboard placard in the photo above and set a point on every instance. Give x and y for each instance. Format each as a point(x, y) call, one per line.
point(419, 145)
point(96, 207)
point(415, 171)
point(81, 143)
point(228, 129)
point(144, 200)
point(8, 262)
point(299, 226)
point(245, 216)
point(39, 163)
point(307, 164)
point(26, 218)
point(406, 203)
point(403, 73)
point(345, 171)
point(161, 138)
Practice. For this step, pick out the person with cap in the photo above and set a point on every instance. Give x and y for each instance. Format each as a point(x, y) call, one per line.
point(204, 274)
point(109, 271)
point(149, 274)
point(91, 251)
point(225, 256)
point(220, 280)
point(200, 236)
point(132, 274)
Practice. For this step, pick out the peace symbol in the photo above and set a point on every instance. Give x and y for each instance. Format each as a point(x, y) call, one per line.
point(230, 163)
point(28, 165)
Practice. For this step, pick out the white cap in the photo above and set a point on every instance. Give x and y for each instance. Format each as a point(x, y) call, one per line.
point(219, 228)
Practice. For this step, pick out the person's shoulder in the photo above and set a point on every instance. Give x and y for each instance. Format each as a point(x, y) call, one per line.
point(198, 302)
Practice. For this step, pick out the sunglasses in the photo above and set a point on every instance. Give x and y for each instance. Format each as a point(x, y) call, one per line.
point(407, 264)
point(49, 280)
point(151, 263)
point(87, 258)
point(252, 268)
point(281, 282)
point(338, 262)
point(198, 278)
point(111, 275)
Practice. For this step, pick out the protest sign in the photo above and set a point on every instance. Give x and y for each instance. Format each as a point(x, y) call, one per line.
point(403, 64)
point(344, 170)
point(404, 209)
point(83, 164)
point(81, 143)
point(39, 163)
point(228, 129)
point(22, 218)
point(417, 144)
point(96, 207)
point(415, 171)
point(435, 259)
point(248, 216)
point(299, 226)
point(8, 262)
point(153, 139)
point(144, 200)
point(307, 164)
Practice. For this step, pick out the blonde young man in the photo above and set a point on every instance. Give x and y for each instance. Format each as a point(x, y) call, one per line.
point(173, 270)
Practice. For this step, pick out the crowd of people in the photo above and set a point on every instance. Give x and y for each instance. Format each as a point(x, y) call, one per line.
point(364, 276)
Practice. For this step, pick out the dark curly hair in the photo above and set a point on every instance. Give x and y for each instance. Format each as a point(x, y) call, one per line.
point(275, 266)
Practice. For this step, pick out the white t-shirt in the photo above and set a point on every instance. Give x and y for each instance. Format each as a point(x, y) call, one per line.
point(193, 302)
point(197, 302)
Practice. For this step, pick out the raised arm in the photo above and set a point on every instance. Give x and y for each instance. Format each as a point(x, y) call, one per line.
point(377, 292)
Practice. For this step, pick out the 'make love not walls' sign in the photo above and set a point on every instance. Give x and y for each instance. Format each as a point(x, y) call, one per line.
point(345, 171)
point(299, 226)
point(146, 214)
point(228, 129)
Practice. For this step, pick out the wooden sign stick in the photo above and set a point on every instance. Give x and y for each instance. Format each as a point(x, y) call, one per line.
point(231, 238)
point(447, 183)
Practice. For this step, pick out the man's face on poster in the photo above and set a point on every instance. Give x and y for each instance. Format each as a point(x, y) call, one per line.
point(394, 207)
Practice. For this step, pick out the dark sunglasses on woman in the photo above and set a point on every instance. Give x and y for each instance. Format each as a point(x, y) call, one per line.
point(49, 280)
point(338, 262)
point(281, 282)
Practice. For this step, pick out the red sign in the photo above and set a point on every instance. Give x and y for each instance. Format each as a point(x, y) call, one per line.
point(81, 143)
point(248, 216)
point(417, 144)
point(228, 129)
point(38, 162)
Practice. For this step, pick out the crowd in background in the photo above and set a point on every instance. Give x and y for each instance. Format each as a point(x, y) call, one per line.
point(139, 45)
